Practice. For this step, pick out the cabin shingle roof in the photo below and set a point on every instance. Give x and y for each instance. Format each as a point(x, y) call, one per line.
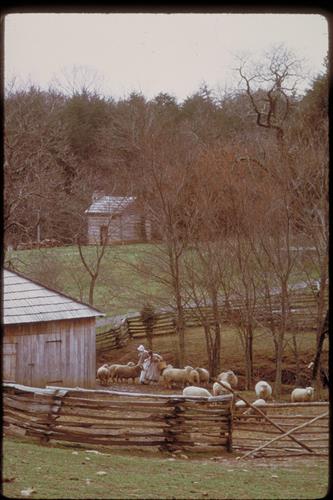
point(26, 301)
point(110, 204)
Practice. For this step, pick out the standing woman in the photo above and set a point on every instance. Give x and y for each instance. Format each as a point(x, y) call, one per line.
point(153, 367)
point(144, 361)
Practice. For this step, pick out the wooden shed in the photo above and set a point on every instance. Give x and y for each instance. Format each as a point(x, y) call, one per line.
point(48, 337)
point(115, 219)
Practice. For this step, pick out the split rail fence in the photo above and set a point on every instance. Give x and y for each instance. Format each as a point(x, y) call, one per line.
point(109, 418)
point(169, 422)
point(308, 422)
point(303, 315)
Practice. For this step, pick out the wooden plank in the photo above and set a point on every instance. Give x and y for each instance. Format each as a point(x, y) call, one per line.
point(105, 442)
point(28, 407)
point(157, 424)
point(81, 413)
point(112, 403)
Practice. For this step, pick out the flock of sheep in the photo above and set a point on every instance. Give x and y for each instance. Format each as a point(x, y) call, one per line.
point(192, 381)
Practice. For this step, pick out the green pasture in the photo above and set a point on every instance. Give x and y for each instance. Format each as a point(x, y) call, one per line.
point(48, 471)
point(120, 288)
point(125, 282)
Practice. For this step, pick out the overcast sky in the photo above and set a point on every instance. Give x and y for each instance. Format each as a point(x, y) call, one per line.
point(153, 53)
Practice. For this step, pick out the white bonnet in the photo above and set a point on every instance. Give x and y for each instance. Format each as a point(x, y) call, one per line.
point(141, 348)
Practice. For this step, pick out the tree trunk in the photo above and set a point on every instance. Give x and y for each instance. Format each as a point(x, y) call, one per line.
point(216, 365)
point(180, 331)
point(322, 331)
point(208, 346)
point(278, 365)
point(92, 289)
point(149, 333)
point(216, 351)
point(249, 357)
point(296, 356)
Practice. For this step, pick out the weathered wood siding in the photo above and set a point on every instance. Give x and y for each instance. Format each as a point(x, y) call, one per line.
point(57, 352)
point(123, 227)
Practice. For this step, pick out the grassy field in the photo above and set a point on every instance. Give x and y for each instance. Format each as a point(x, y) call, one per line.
point(74, 472)
point(120, 287)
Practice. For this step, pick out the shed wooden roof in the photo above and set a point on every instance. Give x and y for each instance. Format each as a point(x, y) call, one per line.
point(110, 204)
point(27, 301)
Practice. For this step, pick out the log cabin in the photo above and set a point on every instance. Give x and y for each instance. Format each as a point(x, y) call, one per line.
point(48, 337)
point(116, 219)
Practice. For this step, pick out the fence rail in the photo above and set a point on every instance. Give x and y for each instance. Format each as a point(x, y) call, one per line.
point(303, 315)
point(251, 432)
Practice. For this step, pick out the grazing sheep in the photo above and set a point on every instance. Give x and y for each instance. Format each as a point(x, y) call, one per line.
point(240, 404)
point(112, 370)
point(103, 374)
point(301, 395)
point(260, 403)
point(263, 390)
point(229, 377)
point(179, 376)
point(240, 407)
point(203, 375)
point(193, 377)
point(218, 390)
point(125, 372)
point(196, 391)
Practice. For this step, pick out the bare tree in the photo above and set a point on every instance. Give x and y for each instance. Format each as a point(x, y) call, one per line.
point(78, 79)
point(271, 89)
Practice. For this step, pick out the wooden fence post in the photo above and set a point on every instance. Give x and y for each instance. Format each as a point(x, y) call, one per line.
point(230, 428)
point(175, 432)
point(53, 414)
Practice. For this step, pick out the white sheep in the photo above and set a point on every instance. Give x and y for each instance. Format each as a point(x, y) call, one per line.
point(193, 377)
point(263, 390)
point(260, 403)
point(301, 395)
point(218, 390)
point(179, 376)
point(203, 375)
point(103, 374)
point(240, 407)
point(196, 391)
point(228, 376)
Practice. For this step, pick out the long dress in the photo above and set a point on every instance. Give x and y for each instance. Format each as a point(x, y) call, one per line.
point(152, 371)
point(144, 359)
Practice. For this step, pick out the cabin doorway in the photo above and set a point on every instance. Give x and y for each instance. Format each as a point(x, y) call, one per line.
point(52, 362)
point(9, 362)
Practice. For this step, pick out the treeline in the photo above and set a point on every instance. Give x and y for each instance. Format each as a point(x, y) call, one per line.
point(237, 187)
point(60, 148)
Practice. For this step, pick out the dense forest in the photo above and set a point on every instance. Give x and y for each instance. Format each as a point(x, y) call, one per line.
point(241, 174)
